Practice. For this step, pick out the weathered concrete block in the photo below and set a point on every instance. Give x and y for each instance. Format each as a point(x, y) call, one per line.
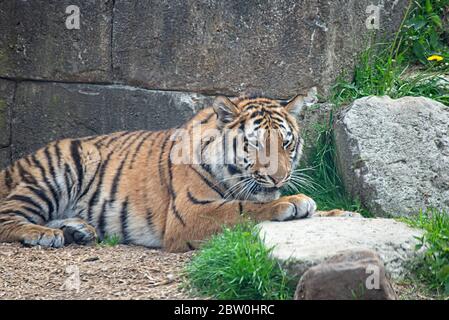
point(350, 275)
point(5, 157)
point(50, 111)
point(7, 89)
point(301, 244)
point(394, 154)
point(6, 100)
point(35, 43)
point(280, 47)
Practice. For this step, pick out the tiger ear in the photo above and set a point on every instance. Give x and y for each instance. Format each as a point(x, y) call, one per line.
point(296, 105)
point(226, 111)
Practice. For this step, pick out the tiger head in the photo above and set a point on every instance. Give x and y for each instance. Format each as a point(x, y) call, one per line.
point(259, 145)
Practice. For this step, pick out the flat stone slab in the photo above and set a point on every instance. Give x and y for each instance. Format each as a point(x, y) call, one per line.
point(301, 244)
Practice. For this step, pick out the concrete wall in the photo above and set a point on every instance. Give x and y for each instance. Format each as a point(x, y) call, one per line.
point(152, 64)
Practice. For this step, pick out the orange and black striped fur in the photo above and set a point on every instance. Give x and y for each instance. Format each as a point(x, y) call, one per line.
point(127, 184)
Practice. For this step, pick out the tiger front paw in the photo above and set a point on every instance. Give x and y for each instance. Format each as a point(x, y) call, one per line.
point(35, 235)
point(294, 207)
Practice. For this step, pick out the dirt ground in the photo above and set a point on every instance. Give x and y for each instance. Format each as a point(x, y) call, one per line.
point(104, 272)
point(119, 272)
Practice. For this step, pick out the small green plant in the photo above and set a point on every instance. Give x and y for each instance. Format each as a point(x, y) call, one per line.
point(236, 265)
point(426, 31)
point(110, 240)
point(386, 68)
point(433, 269)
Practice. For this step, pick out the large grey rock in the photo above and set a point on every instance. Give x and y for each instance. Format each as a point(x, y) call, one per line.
point(35, 43)
point(50, 111)
point(281, 46)
point(394, 154)
point(301, 244)
point(350, 275)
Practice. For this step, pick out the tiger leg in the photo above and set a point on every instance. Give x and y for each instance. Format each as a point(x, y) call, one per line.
point(75, 230)
point(23, 216)
point(205, 218)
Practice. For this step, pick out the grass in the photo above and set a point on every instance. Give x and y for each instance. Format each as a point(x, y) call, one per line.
point(236, 265)
point(110, 241)
point(322, 179)
point(433, 268)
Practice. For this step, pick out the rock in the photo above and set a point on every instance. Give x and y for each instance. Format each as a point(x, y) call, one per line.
point(350, 275)
point(310, 120)
point(301, 244)
point(51, 111)
point(394, 154)
point(281, 47)
point(36, 44)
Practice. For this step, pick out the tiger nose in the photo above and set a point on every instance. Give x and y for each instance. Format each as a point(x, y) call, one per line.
point(279, 180)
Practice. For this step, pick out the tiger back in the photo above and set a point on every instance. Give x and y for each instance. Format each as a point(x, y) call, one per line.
point(171, 189)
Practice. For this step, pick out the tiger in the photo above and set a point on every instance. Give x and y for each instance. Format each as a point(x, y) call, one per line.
point(129, 184)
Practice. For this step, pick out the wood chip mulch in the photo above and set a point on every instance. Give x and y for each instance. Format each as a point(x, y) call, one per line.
point(91, 272)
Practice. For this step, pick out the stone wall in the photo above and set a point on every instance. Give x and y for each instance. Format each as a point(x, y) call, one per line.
point(152, 64)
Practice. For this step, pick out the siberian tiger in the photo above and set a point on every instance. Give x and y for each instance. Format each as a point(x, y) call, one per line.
point(131, 184)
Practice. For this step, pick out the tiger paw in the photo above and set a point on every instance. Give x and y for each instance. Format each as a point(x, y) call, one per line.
point(75, 230)
point(338, 213)
point(35, 235)
point(294, 207)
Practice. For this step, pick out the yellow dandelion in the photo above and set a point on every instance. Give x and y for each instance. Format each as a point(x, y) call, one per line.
point(435, 58)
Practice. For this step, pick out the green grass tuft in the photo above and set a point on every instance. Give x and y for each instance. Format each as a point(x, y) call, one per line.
point(433, 269)
point(236, 265)
point(110, 241)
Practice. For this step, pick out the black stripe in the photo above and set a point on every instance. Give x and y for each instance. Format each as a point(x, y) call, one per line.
point(113, 139)
point(24, 175)
point(68, 184)
point(233, 170)
point(42, 196)
point(240, 207)
point(171, 191)
point(209, 184)
point(89, 184)
point(8, 178)
point(26, 199)
point(197, 201)
point(94, 199)
point(124, 221)
point(161, 173)
point(134, 137)
point(20, 214)
point(52, 170)
point(116, 179)
point(150, 218)
point(58, 154)
point(48, 184)
point(139, 146)
point(35, 212)
point(234, 149)
point(102, 220)
point(75, 146)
